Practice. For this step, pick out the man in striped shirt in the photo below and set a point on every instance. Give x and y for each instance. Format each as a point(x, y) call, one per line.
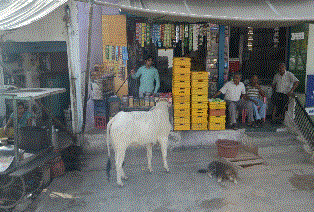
point(254, 92)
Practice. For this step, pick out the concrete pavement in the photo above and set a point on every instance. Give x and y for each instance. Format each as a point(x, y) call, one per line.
point(276, 186)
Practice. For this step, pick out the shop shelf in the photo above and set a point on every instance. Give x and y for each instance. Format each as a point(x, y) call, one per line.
point(216, 126)
point(199, 98)
point(181, 105)
point(181, 61)
point(199, 126)
point(181, 98)
point(181, 91)
point(181, 76)
point(182, 112)
point(185, 126)
point(181, 69)
point(201, 90)
point(199, 119)
point(181, 84)
point(199, 75)
point(217, 105)
point(199, 105)
point(217, 112)
point(199, 112)
point(217, 119)
point(199, 83)
point(182, 119)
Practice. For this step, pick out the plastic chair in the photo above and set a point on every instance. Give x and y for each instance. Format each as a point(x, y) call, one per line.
point(244, 112)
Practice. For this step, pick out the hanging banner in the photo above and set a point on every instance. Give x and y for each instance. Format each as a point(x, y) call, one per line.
point(309, 102)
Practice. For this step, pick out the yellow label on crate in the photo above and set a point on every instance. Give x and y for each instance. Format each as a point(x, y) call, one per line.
point(216, 126)
point(199, 126)
point(184, 119)
point(199, 97)
point(199, 75)
point(217, 119)
point(181, 76)
point(199, 90)
point(201, 105)
point(185, 126)
point(217, 105)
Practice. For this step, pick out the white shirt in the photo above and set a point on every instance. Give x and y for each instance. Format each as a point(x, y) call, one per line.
point(285, 82)
point(232, 91)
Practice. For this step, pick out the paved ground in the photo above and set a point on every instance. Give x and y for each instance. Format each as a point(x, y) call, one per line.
point(286, 183)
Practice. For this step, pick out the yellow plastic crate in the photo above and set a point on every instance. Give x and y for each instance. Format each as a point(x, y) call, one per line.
point(181, 84)
point(199, 105)
point(181, 91)
point(199, 83)
point(182, 120)
point(181, 69)
point(199, 119)
point(199, 75)
point(182, 126)
point(217, 119)
point(181, 98)
point(181, 61)
point(199, 98)
point(201, 90)
point(181, 76)
point(199, 112)
point(181, 105)
point(181, 112)
point(199, 126)
point(217, 105)
point(217, 126)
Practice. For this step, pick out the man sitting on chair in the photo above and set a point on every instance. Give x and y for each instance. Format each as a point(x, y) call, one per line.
point(234, 90)
point(254, 92)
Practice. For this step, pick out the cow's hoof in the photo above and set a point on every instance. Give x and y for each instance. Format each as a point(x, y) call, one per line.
point(167, 170)
point(120, 184)
point(150, 170)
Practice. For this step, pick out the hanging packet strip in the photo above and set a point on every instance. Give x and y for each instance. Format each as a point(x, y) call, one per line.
point(125, 53)
point(191, 37)
point(117, 53)
point(110, 53)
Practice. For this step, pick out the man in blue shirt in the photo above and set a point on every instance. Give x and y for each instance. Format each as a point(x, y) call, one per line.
point(148, 74)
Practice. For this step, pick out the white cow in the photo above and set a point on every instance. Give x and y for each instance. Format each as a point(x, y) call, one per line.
point(139, 127)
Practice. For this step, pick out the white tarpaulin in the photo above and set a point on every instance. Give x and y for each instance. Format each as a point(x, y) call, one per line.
point(255, 13)
point(18, 13)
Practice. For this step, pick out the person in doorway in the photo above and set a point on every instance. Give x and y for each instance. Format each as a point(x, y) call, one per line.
point(283, 85)
point(24, 119)
point(254, 94)
point(148, 74)
point(235, 98)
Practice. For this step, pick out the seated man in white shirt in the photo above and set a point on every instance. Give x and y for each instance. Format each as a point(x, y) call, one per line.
point(234, 91)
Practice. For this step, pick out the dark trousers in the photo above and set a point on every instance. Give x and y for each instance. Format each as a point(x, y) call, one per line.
point(280, 101)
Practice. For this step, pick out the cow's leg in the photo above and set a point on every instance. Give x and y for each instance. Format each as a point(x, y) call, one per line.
point(149, 148)
point(120, 153)
point(164, 144)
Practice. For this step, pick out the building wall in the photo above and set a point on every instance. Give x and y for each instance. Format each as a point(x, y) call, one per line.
point(310, 51)
point(96, 46)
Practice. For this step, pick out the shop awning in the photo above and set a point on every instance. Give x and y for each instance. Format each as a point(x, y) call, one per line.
point(255, 13)
point(18, 13)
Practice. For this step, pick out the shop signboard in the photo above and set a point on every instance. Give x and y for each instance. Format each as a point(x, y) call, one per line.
point(309, 102)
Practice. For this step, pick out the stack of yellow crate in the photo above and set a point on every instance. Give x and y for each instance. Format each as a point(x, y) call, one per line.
point(199, 103)
point(181, 92)
point(217, 115)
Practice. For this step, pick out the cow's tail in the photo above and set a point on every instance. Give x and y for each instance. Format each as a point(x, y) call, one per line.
point(108, 167)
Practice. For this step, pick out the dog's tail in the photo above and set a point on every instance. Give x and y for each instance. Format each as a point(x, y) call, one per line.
point(203, 170)
point(108, 167)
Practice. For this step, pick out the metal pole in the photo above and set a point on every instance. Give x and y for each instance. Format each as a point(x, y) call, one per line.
point(16, 133)
point(88, 64)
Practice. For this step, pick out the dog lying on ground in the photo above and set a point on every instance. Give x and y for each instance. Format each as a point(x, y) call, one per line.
point(221, 171)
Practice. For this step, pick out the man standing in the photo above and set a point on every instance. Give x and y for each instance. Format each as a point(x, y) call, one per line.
point(254, 92)
point(233, 91)
point(283, 85)
point(148, 74)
